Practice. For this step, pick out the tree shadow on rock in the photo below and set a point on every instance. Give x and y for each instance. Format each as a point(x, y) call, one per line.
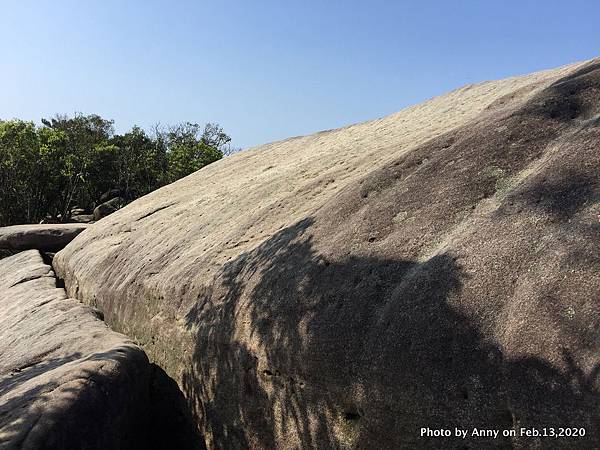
point(562, 195)
point(299, 349)
point(171, 426)
point(52, 405)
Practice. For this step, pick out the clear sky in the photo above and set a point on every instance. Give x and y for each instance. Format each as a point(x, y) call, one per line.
point(267, 70)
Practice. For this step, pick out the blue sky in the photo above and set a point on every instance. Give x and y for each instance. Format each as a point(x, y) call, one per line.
point(267, 70)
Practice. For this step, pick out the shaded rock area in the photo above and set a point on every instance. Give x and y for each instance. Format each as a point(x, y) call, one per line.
point(81, 215)
point(110, 194)
point(82, 218)
point(4, 253)
point(170, 419)
point(435, 268)
point(44, 237)
point(69, 382)
point(106, 208)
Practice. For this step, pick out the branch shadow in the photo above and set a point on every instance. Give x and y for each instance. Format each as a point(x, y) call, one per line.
point(563, 196)
point(298, 350)
point(74, 407)
point(52, 404)
point(568, 98)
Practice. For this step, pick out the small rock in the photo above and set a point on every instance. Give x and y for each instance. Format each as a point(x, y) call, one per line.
point(82, 218)
point(109, 195)
point(44, 237)
point(107, 208)
point(77, 211)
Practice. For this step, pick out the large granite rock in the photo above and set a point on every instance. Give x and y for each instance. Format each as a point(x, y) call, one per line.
point(45, 237)
point(66, 380)
point(435, 268)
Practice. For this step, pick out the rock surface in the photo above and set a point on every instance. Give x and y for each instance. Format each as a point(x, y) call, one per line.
point(438, 267)
point(77, 211)
point(4, 253)
point(66, 380)
point(107, 208)
point(110, 194)
point(82, 218)
point(45, 237)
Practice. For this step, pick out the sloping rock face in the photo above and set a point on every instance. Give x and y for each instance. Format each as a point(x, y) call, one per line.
point(66, 380)
point(435, 268)
point(45, 237)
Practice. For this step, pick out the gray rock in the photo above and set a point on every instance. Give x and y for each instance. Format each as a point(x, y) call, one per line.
point(45, 237)
point(110, 194)
point(82, 218)
point(66, 379)
point(107, 208)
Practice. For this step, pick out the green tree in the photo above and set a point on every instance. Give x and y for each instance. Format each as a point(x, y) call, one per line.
point(189, 148)
point(78, 153)
point(71, 161)
point(140, 164)
point(21, 173)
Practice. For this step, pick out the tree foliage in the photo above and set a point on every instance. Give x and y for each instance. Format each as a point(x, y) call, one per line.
point(70, 162)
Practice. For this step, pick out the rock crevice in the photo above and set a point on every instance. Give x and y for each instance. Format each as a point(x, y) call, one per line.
point(68, 381)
